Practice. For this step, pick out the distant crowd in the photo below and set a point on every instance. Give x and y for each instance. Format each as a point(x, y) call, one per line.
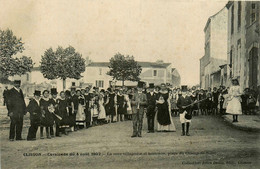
point(216, 100)
point(80, 108)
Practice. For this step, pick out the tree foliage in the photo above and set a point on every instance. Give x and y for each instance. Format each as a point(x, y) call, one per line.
point(62, 63)
point(124, 68)
point(10, 45)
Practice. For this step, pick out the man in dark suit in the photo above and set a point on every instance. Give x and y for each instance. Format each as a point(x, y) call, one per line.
point(139, 102)
point(88, 98)
point(151, 101)
point(16, 110)
point(35, 115)
point(183, 101)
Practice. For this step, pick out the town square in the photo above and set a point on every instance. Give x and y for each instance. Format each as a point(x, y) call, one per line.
point(129, 84)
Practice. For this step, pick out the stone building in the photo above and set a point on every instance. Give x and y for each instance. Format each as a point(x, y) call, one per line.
point(243, 42)
point(96, 75)
point(215, 49)
point(152, 72)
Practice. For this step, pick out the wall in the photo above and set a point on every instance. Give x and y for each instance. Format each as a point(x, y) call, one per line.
point(252, 37)
point(219, 35)
point(239, 62)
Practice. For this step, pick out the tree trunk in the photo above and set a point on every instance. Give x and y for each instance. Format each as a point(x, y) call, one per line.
point(64, 84)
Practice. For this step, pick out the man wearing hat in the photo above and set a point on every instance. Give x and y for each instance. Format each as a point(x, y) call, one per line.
point(139, 101)
point(16, 110)
point(183, 104)
point(87, 111)
point(151, 101)
point(35, 115)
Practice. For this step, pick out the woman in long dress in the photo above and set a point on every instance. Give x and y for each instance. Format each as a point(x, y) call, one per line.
point(47, 119)
point(80, 116)
point(164, 118)
point(120, 101)
point(128, 104)
point(102, 112)
point(94, 108)
point(63, 109)
point(234, 103)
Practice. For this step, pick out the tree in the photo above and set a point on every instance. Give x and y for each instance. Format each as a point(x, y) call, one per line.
point(62, 63)
point(124, 68)
point(10, 45)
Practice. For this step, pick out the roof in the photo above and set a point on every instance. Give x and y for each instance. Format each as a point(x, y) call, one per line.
point(98, 64)
point(106, 64)
point(229, 4)
point(142, 64)
point(222, 66)
point(209, 19)
point(35, 69)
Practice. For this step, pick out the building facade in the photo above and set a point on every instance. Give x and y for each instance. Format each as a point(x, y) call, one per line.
point(215, 49)
point(152, 72)
point(96, 75)
point(243, 42)
point(253, 43)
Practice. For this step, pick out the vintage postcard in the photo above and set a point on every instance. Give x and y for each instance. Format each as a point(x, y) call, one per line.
point(129, 84)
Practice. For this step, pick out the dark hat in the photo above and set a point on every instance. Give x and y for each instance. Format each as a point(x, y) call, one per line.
point(54, 91)
point(184, 88)
point(151, 85)
point(17, 82)
point(37, 93)
point(109, 89)
point(140, 84)
point(67, 93)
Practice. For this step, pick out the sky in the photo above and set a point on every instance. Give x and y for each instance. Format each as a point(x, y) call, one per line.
point(150, 30)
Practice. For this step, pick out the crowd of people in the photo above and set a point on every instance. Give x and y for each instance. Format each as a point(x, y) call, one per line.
point(79, 108)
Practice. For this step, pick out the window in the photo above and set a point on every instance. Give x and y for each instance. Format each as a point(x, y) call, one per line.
point(238, 61)
point(239, 15)
point(232, 19)
point(100, 71)
point(252, 13)
point(230, 59)
point(73, 84)
point(27, 77)
point(100, 83)
point(154, 72)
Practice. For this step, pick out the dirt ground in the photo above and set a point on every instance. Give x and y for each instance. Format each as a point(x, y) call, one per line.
point(212, 144)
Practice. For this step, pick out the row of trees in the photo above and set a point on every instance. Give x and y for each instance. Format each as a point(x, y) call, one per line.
point(61, 63)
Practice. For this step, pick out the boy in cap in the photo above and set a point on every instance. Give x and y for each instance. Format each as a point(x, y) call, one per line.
point(16, 110)
point(183, 104)
point(35, 115)
point(139, 101)
point(151, 101)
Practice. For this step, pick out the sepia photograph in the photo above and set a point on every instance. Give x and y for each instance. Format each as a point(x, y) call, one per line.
point(129, 84)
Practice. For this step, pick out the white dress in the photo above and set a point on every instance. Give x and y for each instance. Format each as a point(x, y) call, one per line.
point(102, 112)
point(234, 103)
point(129, 109)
